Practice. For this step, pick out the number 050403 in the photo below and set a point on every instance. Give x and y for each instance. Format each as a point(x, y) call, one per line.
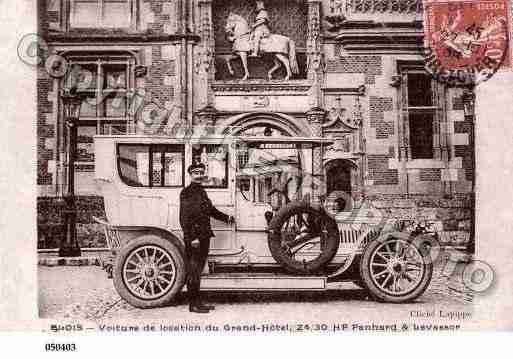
point(60, 347)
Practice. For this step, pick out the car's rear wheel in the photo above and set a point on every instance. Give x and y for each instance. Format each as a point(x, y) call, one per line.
point(149, 272)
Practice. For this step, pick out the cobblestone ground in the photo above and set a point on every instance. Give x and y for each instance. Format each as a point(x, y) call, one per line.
point(86, 293)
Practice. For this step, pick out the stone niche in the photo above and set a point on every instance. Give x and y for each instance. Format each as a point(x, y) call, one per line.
point(287, 18)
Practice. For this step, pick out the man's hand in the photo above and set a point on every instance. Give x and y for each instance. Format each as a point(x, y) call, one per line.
point(231, 220)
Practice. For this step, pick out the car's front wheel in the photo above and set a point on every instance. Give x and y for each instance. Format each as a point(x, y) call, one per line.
point(395, 269)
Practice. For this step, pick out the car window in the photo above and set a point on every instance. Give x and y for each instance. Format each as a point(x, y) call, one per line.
point(151, 165)
point(215, 159)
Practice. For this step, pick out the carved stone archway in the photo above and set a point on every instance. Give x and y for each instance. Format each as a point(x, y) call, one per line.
point(289, 125)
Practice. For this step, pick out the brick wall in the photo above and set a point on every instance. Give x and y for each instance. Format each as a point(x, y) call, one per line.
point(161, 16)
point(159, 81)
point(457, 103)
point(370, 66)
point(45, 129)
point(464, 151)
point(379, 172)
point(377, 108)
point(430, 174)
point(157, 16)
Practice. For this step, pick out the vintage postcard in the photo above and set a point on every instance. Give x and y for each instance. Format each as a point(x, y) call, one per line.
point(268, 167)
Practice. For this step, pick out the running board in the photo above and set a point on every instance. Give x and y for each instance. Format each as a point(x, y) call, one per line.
point(262, 282)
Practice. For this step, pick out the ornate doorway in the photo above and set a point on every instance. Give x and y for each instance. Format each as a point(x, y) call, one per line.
point(340, 181)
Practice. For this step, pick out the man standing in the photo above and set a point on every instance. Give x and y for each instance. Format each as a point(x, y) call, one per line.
point(260, 27)
point(195, 212)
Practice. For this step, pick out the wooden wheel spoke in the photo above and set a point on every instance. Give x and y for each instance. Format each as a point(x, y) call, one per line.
point(131, 262)
point(380, 273)
point(408, 277)
point(164, 279)
point(160, 259)
point(166, 272)
point(396, 284)
point(400, 249)
point(157, 282)
point(389, 250)
point(145, 285)
point(153, 256)
point(139, 282)
point(386, 280)
point(410, 266)
point(132, 271)
point(134, 278)
point(164, 265)
point(139, 257)
point(379, 265)
point(382, 256)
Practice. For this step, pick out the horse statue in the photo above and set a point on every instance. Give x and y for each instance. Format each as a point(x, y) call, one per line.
point(283, 48)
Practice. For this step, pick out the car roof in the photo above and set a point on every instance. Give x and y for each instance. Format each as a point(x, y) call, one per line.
point(311, 141)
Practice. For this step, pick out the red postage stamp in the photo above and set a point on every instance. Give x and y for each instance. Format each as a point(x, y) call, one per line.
point(466, 41)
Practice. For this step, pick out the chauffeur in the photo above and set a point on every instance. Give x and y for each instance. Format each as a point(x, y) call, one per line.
point(195, 212)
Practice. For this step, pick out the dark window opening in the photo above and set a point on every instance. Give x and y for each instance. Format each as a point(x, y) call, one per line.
point(421, 135)
point(420, 93)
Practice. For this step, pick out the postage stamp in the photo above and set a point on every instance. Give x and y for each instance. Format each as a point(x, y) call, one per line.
point(240, 167)
point(467, 41)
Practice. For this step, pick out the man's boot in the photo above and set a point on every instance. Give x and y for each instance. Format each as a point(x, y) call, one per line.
point(198, 308)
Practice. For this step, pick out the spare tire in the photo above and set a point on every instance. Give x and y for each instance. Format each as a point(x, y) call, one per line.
point(296, 227)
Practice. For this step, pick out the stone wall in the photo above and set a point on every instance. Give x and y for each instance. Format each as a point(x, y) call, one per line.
point(451, 217)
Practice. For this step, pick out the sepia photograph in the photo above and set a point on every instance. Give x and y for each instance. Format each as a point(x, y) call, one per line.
point(277, 166)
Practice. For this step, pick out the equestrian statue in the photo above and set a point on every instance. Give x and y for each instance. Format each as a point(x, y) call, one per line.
point(258, 39)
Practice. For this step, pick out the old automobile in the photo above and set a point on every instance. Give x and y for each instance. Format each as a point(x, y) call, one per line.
point(286, 237)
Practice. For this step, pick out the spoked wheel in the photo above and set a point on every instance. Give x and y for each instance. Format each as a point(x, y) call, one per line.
point(149, 272)
point(395, 269)
point(303, 240)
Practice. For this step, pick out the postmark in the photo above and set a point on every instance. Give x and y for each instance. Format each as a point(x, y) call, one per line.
point(466, 42)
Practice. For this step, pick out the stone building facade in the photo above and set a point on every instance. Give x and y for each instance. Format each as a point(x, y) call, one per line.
point(401, 142)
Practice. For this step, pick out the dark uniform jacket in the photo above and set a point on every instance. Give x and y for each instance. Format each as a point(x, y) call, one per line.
point(195, 212)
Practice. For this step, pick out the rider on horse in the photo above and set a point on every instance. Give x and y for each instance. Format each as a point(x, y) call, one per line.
point(260, 28)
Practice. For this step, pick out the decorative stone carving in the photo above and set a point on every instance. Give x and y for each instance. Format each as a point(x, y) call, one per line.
point(260, 87)
point(396, 81)
point(340, 144)
point(336, 17)
point(313, 43)
point(315, 117)
point(140, 71)
point(205, 56)
point(258, 101)
point(383, 6)
point(335, 114)
point(338, 118)
point(206, 116)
